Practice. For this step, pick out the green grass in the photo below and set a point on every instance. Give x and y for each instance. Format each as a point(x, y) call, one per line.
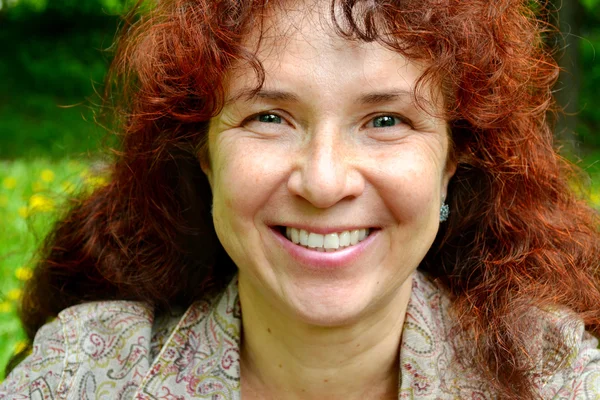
point(33, 193)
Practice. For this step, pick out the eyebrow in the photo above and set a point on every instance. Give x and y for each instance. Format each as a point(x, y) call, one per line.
point(384, 97)
point(372, 98)
point(263, 94)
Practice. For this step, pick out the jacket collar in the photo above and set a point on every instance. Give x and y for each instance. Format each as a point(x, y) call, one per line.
point(201, 359)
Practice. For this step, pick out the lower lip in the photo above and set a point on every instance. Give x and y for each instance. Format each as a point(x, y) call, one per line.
point(319, 260)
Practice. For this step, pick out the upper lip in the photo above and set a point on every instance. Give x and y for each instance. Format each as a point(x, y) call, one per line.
point(323, 230)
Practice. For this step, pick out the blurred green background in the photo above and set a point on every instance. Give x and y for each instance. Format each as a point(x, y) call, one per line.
point(53, 57)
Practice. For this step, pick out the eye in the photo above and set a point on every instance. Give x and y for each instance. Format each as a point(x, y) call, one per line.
point(269, 123)
point(269, 118)
point(386, 121)
point(388, 127)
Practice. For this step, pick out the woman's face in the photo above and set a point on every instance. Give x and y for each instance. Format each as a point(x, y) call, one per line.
point(331, 147)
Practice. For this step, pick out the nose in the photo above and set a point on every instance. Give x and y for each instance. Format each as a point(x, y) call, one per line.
point(326, 172)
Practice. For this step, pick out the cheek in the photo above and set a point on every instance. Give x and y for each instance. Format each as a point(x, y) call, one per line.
point(244, 179)
point(410, 185)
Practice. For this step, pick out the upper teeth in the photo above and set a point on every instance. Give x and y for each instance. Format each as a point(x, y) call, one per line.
point(330, 241)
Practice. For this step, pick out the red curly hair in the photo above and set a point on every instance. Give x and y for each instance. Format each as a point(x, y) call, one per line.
point(517, 236)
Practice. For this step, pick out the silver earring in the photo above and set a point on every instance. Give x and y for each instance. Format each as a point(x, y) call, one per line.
point(444, 212)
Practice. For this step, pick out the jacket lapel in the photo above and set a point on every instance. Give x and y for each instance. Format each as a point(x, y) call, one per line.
point(201, 358)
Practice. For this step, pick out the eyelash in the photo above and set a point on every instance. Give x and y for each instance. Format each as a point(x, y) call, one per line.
point(401, 120)
point(255, 118)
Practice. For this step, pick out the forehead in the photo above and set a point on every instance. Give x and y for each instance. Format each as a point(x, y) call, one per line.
point(300, 46)
point(305, 30)
point(297, 44)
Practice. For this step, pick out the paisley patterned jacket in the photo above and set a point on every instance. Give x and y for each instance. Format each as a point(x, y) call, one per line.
point(119, 350)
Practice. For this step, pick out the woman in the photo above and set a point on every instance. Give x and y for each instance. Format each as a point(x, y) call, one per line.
point(324, 200)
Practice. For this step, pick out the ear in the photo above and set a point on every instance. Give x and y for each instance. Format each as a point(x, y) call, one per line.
point(204, 159)
point(450, 170)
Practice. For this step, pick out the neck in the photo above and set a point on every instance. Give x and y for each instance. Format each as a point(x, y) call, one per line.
point(283, 358)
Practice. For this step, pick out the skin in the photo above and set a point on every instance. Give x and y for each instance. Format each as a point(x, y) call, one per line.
point(310, 152)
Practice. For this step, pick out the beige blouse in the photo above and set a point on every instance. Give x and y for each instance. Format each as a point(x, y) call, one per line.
point(121, 350)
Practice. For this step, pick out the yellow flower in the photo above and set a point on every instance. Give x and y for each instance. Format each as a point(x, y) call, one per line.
point(9, 183)
point(40, 203)
point(47, 175)
point(37, 186)
point(14, 294)
point(595, 198)
point(24, 212)
point(5, 307)
point(23, 274)
point(20, 346)
point(3, 200)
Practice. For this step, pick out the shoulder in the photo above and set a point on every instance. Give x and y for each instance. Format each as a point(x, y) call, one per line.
point(87, 345)
point(575, 367)
point(568, 358)
point(41, 370)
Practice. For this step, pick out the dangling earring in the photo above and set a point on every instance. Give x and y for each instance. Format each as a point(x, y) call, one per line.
point(444, 212)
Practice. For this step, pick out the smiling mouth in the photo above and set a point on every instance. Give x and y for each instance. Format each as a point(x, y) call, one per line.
point(330, 242)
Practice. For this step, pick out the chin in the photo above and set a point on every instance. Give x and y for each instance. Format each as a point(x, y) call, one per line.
point(337, 304)
point(330, 307)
